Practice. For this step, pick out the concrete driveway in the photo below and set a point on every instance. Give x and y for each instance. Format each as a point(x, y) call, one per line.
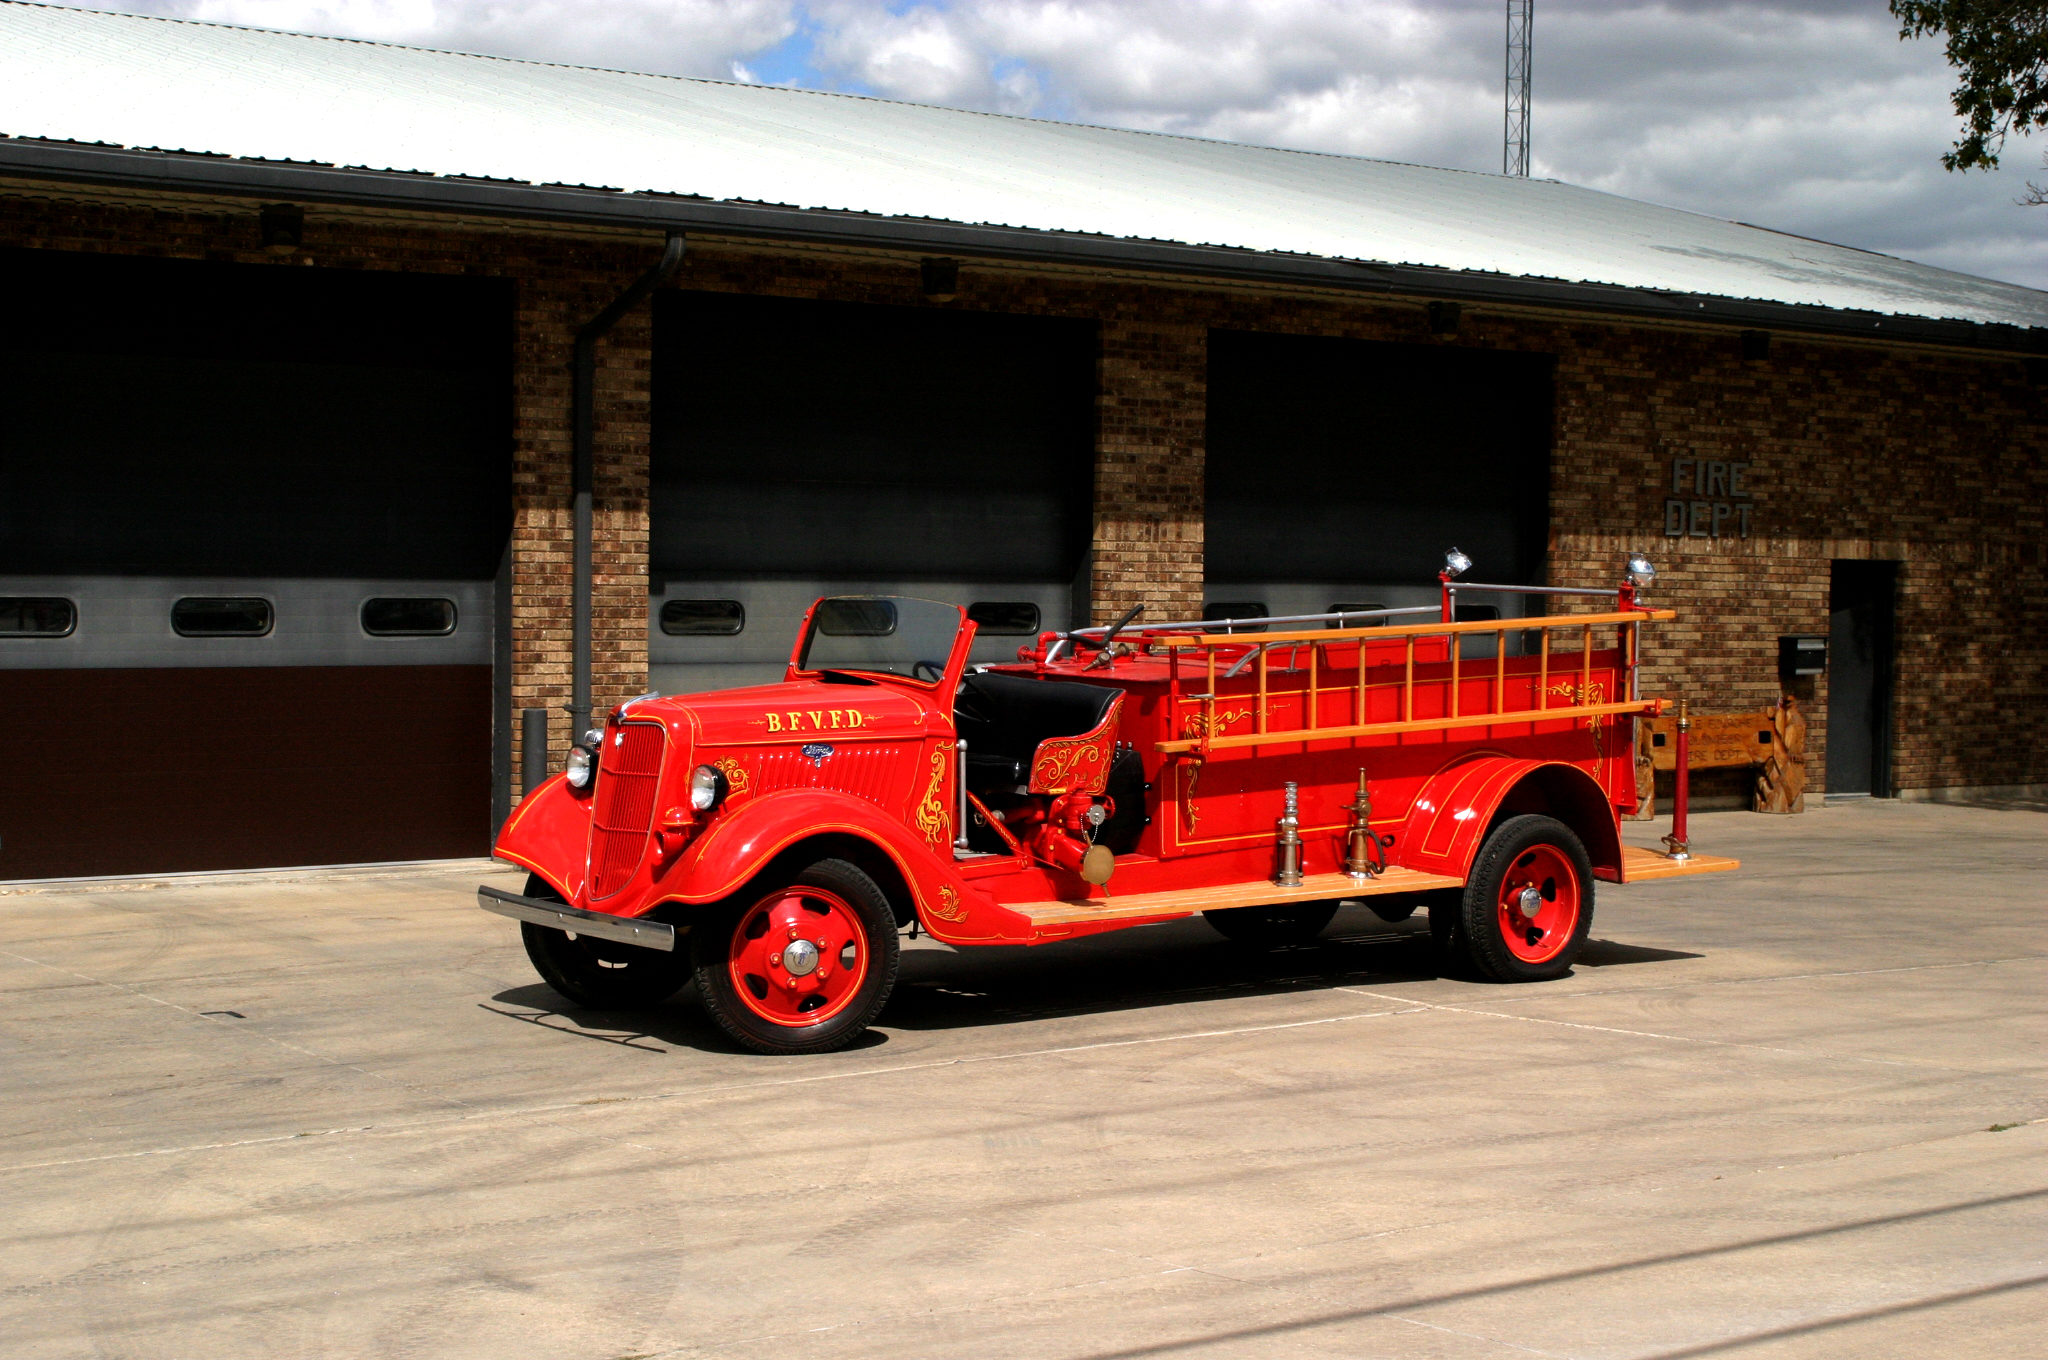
point(1796, 1111)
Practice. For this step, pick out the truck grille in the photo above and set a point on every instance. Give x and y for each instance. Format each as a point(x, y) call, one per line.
point(629, 773)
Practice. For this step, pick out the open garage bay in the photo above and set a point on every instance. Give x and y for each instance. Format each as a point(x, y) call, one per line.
point(1790, 1112)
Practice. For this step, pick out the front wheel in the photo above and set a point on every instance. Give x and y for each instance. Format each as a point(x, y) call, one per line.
point(1529, 902)
point(604, 975)
point(802, 967)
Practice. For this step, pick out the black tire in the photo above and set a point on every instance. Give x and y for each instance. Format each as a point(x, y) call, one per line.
point(1446, 934)
point(1527, 854)
point(1272, 927)
point(742, 992)
point(603, 975)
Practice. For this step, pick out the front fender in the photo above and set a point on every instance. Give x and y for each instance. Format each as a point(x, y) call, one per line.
point(1449, 817)
point(743, 842)
point(549, 833)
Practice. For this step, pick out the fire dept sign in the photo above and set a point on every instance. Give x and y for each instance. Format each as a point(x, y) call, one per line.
point(1708, 499)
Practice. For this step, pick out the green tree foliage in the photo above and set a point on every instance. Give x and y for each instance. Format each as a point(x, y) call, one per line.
point(2000, 50)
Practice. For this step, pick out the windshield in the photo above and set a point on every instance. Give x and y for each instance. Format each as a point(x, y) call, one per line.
point(890, 634)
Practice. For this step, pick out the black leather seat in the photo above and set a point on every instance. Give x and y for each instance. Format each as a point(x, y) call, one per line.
point(1002, 718)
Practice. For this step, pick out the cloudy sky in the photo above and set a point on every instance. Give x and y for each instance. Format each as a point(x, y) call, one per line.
point(1805, 115)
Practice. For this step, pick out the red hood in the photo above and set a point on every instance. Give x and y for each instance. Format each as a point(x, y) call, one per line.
point(798, 710)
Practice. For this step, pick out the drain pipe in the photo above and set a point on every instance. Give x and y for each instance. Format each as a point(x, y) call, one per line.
point(584, 369)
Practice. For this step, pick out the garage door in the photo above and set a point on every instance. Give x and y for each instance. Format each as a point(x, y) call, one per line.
point(1339, 472)
point(253, 522)
point(805, 448)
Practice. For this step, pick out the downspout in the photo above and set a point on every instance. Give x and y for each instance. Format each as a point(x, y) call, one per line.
point(584, 370)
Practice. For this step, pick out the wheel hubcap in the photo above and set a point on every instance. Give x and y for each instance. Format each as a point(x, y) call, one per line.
point(1539, 904)
point(798, 956)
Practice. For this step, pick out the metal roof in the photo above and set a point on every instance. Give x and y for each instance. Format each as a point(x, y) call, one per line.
point(82, 91)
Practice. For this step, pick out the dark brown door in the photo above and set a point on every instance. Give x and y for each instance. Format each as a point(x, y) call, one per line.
point(161, 770)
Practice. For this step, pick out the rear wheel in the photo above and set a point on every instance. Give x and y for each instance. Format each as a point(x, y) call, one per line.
point(803, 966)
point(1529, 902)
point(604, 975)
point(1273, 927)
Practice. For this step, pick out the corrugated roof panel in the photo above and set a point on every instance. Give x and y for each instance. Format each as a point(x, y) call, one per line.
point(167, 85)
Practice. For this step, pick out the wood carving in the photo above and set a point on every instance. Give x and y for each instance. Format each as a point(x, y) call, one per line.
point(1646, 775)
point(1782, 785)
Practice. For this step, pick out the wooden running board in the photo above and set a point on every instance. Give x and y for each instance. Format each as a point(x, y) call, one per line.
point(1640, 866)
point(1160, 906)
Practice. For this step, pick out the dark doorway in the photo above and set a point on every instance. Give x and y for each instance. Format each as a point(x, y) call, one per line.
point(808, 448)
point(272, 504)
point(1339, 471)
point(1860, 603)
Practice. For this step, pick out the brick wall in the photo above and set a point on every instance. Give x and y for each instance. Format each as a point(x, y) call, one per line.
point(1937, 461)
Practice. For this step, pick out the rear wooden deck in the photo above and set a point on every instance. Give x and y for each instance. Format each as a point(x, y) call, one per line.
point(1639, 865)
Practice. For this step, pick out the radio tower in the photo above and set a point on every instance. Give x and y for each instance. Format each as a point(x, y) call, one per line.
point(1515, 148)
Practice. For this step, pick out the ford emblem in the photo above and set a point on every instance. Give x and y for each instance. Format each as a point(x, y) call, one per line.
point(817, 752)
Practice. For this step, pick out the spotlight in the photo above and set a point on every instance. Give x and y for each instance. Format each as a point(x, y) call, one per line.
point(1456, 564)
point(283, 226)
point(1640, 573)
point(939, 277)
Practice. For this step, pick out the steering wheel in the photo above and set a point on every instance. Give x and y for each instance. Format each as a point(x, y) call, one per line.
point(937, 669)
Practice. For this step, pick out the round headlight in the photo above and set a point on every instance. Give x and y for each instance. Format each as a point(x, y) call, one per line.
point(579, 767)
point(707, 787)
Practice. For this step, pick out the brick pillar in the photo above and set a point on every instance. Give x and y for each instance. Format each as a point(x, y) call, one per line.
point(560, 297)
point(1148, 468)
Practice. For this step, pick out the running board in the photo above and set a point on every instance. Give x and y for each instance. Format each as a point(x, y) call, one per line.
point(1640, 866)
point(1164, 906)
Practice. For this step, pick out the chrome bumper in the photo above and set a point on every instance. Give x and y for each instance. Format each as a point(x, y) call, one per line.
point(624, 929)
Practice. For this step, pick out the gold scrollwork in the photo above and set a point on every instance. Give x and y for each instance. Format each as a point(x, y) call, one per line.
point(736, 777)
point(1064, 766)
point(948, 908)
point(1595, 693)
point(1194, 727)
point(934, 820)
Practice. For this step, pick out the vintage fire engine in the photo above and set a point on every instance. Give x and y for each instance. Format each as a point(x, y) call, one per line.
point(773, 842)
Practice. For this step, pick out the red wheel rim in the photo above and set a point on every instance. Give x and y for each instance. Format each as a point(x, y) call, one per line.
point(1542, 878)
point(798, 957)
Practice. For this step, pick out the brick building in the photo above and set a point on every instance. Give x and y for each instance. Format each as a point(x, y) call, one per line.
point(287, 512)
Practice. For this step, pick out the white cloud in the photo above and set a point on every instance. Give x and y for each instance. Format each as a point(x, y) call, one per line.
point(1805, 115)
point(670, 37)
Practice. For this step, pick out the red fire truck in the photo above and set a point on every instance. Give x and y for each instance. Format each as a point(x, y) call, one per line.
point(773, 842)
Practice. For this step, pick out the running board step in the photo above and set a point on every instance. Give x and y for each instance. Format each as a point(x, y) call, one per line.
point(1164, 906)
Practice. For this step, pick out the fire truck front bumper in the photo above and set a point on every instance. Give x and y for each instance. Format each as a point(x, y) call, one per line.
point(624, 929)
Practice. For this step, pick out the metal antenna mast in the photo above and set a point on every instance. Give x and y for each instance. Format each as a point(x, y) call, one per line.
point(1515, 144)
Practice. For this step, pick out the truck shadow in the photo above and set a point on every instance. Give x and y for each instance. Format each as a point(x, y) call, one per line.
point(1173, 964)
point(1157, 966)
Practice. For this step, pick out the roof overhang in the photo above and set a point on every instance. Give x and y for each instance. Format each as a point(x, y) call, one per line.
point(167, 172)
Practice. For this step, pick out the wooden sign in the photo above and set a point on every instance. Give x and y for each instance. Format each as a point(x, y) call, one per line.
point(1719, 741)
